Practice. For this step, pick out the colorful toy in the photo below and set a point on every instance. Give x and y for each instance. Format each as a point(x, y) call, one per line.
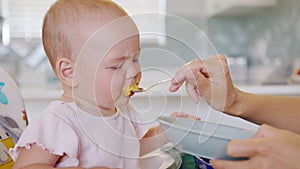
point(13, 118)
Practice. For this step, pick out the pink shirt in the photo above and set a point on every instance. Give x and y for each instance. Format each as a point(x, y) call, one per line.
point(88, 140)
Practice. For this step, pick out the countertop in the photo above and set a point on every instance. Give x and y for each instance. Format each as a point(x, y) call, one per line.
point(32, 93)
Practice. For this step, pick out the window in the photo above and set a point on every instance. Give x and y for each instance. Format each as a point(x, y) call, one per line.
point(149, 16)
point(26, 17)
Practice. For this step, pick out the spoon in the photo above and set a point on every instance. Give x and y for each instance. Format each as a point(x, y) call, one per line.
point(140, 89)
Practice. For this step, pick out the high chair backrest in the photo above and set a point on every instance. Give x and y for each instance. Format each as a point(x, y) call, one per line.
point(13, 117)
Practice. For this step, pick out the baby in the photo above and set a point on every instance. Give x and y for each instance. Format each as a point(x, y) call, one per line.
point(93, 47)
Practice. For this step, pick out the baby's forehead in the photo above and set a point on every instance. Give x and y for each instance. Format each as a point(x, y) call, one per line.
point(109, 53)
point(92, 35)
point(119, 35)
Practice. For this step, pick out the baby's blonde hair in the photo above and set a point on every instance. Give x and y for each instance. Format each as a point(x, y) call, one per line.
point(59, 29)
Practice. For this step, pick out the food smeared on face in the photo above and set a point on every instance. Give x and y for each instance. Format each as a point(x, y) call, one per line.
point(130, 90)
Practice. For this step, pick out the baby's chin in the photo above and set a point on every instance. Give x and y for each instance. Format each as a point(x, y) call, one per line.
point(122, 101)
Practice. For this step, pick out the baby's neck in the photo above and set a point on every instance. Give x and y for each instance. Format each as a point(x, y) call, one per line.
point(66, 98)
point(88, 106)
point(93, 108)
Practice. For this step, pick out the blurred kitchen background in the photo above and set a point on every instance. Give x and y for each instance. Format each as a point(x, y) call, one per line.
point(260, 37)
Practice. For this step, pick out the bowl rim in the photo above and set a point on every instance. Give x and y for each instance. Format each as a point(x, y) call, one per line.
point(213, 134)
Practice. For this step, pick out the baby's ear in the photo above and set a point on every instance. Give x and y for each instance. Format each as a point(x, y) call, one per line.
point(65, 71)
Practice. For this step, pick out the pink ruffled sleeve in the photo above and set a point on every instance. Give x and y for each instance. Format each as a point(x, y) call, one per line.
point(51, 132)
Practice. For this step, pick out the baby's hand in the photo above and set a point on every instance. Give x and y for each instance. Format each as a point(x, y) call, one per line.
point(185, 115)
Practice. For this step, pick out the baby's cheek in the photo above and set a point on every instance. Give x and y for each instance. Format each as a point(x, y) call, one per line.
point(118, 83)
point(117, 89)
point(102, 92)
point(105, 97)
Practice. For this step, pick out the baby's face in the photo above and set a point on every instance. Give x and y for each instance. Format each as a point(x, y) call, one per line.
point(119, 69)
point(108, 63)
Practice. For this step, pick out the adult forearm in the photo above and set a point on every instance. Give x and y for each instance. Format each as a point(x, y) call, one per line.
point(278, 111)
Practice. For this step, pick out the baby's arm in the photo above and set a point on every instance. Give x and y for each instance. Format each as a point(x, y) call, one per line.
point(35, 155)
point(37, 158)
point(153, 139)
point(155, 136)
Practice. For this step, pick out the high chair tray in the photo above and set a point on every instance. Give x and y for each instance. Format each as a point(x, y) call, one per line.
point(201, 138)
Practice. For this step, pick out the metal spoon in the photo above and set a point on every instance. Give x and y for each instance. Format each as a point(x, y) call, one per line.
point(140, 89)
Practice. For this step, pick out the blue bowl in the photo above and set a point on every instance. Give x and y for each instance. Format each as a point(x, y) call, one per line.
point(202, 138)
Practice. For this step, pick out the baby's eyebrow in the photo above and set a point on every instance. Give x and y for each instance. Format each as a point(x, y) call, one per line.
point(119, 59)
point(137, 53)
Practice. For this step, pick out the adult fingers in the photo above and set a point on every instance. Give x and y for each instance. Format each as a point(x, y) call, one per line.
point(223, 164)
point(185, 73)
point(192, 92)
point(267, 131)
point(202, 83)
point(246, 148)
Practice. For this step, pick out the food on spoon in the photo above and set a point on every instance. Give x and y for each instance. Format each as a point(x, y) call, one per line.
point(129, 90)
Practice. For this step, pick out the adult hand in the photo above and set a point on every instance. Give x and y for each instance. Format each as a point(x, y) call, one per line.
point(209, 78)
point(270, 148)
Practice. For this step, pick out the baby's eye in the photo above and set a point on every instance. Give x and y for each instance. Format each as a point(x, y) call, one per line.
point(115, 67)
point(135, 60)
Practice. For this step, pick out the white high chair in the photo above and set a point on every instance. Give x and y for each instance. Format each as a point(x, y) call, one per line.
point(13, 118)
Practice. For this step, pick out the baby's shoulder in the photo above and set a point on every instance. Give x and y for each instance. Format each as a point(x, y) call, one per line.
point(58, 110)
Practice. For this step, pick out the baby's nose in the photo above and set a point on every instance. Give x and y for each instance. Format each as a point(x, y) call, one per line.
point(133, 70)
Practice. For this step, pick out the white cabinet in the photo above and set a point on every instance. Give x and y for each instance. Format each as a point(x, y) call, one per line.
point(235, 7)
